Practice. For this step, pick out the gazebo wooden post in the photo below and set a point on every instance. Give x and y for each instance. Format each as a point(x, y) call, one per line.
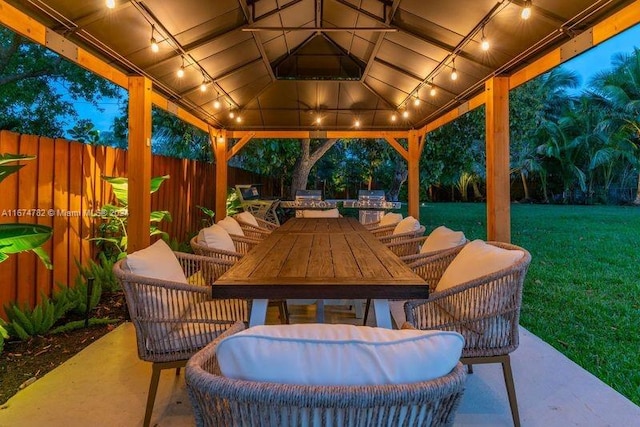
point(219, 141)
point(497, 148)
point(413, 174)
point(139, 163)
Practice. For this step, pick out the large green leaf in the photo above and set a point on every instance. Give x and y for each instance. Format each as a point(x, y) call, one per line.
point(121, 186)
point(6, 170)
point(157, 216)
point(15, 238)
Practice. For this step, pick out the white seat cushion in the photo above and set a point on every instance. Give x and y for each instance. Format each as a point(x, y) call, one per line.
point(231, 226)
point(442, 238)
point(156, 261)
point(475, 260)
point(216, 237)
point(247, 218)
point(407, 225)
point(390, 219)
point(322, 354)
point(329, 213)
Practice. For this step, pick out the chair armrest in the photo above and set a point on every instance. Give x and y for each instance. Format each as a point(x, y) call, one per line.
point(243, 244)
point(406, 246)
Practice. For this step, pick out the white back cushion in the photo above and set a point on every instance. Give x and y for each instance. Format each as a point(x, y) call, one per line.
point(475, 260)
point(248, 218)
point(406, 225)
point(442, 238)
point(322, 354)
point(390, 219)
point(156, 261)
point(329, 213)
point(231, 226)
point(216, 237)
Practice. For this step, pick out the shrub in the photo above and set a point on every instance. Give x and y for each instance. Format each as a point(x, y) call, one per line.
point(25, 323)
point(3, 335)
point(102, 273)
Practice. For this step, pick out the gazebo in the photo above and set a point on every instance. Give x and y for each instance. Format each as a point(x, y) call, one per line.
point(387, 69)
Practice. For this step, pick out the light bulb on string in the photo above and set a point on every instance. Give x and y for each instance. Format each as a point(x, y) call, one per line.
point(394, 117)
point(111, 4)
point(154, 44)
point(433, 90)
point(416, 101)
point(216, 103)
point(454, 72)
point(180, 72)
point(232, 114)
point(405, 114)
point(484, 43)
point(357, 123)
point(203, 86)
point(239, 119)
point(526, 10)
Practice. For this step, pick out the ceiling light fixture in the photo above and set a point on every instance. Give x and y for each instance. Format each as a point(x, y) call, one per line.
point(180, 72)
point(416, 101)
point(239, 119)
point(154, 44)
point(405, 114)
point(526, 10)
point(318, 119)
point(232, 114)
point(433, 91)
point(357, 123)
point(216, 103)
point(394, 117)
point(484, 43)
point(454, 73)
point(111, 4)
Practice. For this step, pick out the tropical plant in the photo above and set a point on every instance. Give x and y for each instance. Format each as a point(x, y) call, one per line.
point(113, 230)
point(25, 322)
point(233, 204)
point(3, 335)
point(75, 297)
point(20, 237)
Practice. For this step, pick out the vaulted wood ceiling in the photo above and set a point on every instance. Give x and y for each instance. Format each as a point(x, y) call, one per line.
point(281, 64)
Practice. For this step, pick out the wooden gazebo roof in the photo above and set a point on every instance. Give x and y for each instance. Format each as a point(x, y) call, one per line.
point(282, 64)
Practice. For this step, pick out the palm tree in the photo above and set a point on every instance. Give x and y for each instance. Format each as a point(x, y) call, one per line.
point(620, 89)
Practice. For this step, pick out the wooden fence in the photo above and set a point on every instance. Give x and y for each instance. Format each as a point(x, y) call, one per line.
point(61, 188)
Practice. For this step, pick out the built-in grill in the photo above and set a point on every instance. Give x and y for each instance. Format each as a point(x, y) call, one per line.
point(372, 205)
point(308, 199)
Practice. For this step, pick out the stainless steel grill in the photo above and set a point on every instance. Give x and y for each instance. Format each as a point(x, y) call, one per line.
point(372, 205)
point(308, 199)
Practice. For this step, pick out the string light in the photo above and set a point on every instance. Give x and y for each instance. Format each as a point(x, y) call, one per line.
point(154, 44)
point(180, 72)
point(416, 101)
point(357, 123)
point(239, 119)
point(394, 117)
point(433, 91)
point(216, 103)
point(318, 120)
point(454, 73)
point(526, 10)
point(203, 85)
point(232, 114)
point(111, 4)
point(484, 43)
point(405, 114)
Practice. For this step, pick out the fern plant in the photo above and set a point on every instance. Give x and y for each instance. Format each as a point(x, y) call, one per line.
point(102, 273)
point(25, 322)
point(75, 297)
point(3, 335)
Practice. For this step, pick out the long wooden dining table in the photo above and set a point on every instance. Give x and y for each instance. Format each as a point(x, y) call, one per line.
point(320, 258)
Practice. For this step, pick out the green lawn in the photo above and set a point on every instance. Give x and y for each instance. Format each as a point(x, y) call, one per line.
point(582, 291)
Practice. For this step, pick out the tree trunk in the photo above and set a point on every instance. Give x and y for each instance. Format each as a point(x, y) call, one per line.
point(525, 187)
point(305, 162)
point(637, 200)
point(400, 175)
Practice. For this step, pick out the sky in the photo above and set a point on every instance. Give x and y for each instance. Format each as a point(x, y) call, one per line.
point(586, 65)
point(599, 58)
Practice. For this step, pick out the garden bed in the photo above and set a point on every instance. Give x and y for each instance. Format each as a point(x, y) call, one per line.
point(23, 362)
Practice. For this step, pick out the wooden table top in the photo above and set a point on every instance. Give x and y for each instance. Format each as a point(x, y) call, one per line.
point(330, 258)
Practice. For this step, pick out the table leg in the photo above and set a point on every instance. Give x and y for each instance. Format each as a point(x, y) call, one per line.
point(258, 312)
point(382, 312)
point(320, 311)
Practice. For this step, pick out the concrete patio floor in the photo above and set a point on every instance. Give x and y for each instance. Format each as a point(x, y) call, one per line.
point(106, 385)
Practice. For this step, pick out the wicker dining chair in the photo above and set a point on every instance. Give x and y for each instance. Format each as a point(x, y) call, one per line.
point(391, 239)
point(485, 310)
point(222, 401)
point(426, 265)
point(244, 245)
point(174, 320)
